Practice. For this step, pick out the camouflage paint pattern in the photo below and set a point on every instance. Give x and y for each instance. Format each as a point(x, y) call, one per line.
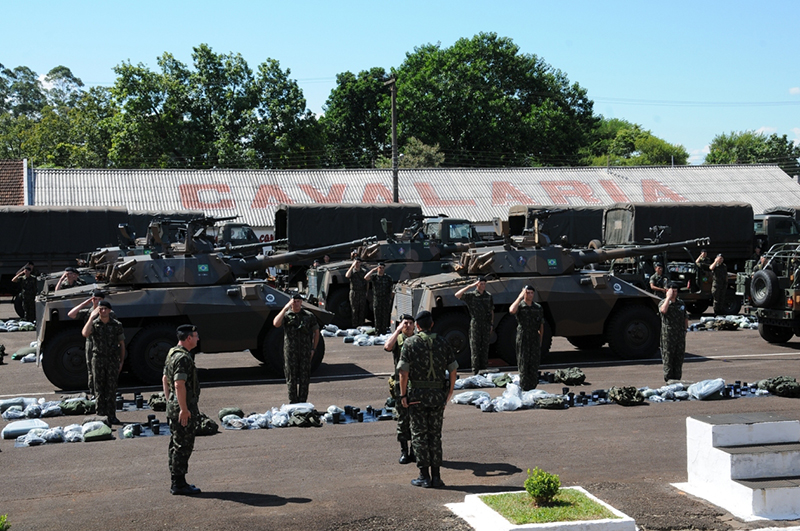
point(298, 330)
point(180, 365)
point(481, 307)
point(673, 340)
point(529, 321)
point(382, 289)
point(105, 364)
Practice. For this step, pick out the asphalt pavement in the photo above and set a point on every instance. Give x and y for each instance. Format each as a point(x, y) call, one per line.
point(340, 477)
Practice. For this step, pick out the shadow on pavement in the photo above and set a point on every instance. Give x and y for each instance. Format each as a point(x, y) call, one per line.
point(252, 498)
point(483, 469)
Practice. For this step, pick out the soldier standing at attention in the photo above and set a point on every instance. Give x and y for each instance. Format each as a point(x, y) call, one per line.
point(719, 285)
point(395, 345)
point(27, 290)
point(84, 312)
point(674, 323)
point(425, 389)
point(182, 390)
point(108, 355)
point(657, 281)
point(382, 285)
point(530, 331)
point(300, 338)
point(481, 311)
point(358, 292)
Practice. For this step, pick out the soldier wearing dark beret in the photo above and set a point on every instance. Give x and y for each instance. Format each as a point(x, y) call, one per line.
point(300, 338)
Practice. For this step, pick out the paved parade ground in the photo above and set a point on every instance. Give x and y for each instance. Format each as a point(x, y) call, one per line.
point(342, 477)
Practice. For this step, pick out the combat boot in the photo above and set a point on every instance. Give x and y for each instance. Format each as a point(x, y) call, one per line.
point(181, 488)
point(424, 479)
point(406, 456)
point(436, 478)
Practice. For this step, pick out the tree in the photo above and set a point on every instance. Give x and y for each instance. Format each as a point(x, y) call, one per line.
point(65, 89)
point(357, 119)
point(415, 154)
point(26, 96)
point(750, 147)
point(487, 104)
point(621, 143)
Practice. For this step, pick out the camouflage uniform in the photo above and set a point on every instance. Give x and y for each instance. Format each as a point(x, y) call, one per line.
point(529, 321)
point(673, 340)
point(382, 301)
point(658, 281)
point(481, 308)
point(179, 365)
point(403, 422)
point(105, 363)
point(426, 356)
point(83, 315)
point(718, 288)
point(27, 290)
point(298, 340)
point(358, 297)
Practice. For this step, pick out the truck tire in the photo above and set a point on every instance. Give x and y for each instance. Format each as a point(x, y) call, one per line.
point(148, 351)
point(272, 353)
point(454, 327)
point(733, 303)
point(64, 360)
point(696, 308)
point(775, 334)
point(765, 288)
point(587, 342)
point(633, 332)
point(18, 306)
point(338, 303)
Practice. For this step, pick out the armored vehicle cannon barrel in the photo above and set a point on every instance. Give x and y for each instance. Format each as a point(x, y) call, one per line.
point(263, 262)
point(588, 307)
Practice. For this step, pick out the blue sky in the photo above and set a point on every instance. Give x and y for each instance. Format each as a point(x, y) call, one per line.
point(685, 70)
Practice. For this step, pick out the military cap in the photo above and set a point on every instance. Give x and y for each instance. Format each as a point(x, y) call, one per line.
point(481, 279)
point(105, 304)
point(424, 314)
point(381, 264)
point(71, 269)
point(659, 264)
point(297, 297)
point(98, 293)
point(28, 268)
point(184, 328)
point(528, 286)
point(673, 285)
point(407, 317)
point(720, 255)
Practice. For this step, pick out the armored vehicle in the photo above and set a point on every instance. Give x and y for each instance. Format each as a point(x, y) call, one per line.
point(771, 291)
point(588, 307)
point(424, 248)
point(152, 294)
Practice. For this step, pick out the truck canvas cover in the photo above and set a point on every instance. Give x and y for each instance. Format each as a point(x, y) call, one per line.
point(579, 224)
point(309, 226)
point(728, 225)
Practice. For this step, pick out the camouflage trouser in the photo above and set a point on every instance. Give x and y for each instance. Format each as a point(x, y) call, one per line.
point(29, 308)
point(403, 421)
point(106, 372)
point(297, 368)
point(528, 356)
point(673, 347)
point(358, 307)
point(383, 314)
point(89, 371)
point(719, 300)
point(479, 334)
point(181, 440)
point(426, 434)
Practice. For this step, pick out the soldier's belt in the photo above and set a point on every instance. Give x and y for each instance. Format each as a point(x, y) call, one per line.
point(422, 384)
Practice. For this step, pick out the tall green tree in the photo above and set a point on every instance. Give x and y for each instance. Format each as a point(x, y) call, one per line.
point(26, 95)
point(621, 143)
point(749, 147)
point(414, 154)
point(487, 104)
point(64, 87)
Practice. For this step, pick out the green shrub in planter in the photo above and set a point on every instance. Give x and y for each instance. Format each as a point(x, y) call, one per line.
point(542, 486)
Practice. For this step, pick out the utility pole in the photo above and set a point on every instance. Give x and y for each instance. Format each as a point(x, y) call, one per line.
point(395, 186)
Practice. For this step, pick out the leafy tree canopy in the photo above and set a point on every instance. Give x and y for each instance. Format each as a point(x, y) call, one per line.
point(621, 143)
point(748, 147)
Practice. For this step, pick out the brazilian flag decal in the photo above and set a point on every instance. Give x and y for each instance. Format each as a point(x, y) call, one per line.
point(552, 262)
point(202, 268)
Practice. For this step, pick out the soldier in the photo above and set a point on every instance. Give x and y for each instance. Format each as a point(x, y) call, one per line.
point(425, 389)
point(382, 285)
point(702, 262)
point(394, 344)
point(69, 278)
point(530, 330)
point(83, 312)
point(300, 338)
point(481, 311)
point(182, 390)
point(657, 281)
point(674, 323)
point(358, 292)
point(719, 285)
point(27, 290)
point(108, 355)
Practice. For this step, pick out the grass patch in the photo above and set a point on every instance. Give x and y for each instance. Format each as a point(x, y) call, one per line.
point(569, 505)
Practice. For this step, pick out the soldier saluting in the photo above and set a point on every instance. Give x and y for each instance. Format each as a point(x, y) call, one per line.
point(300, 338)
point(481, 311)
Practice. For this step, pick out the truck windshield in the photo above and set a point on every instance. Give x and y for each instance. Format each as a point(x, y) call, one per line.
point(460, 231)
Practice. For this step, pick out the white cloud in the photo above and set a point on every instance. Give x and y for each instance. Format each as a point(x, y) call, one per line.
point(698, 156)
point(796, 139)
point(765, 130)
point(794, 90)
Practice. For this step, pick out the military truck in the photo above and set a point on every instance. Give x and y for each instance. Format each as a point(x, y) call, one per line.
point(425, 247)
point(153, 293)
point(771, 292)
point(570, 226)
point(776, 225)
point(588, 307)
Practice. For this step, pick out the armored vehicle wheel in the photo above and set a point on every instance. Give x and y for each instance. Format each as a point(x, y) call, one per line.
point(696, 308)
point(272, 353)
point(18, 306)
point(733, 303)
point(764, 288)
point(64, 360)
point(148, 351)
point(587, 342)
point(454, 327)
point(338, 303)
point(505, 347)
point(633, 332)
point(775, 334)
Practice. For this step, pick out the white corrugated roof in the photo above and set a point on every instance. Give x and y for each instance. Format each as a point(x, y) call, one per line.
point(477, 194)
